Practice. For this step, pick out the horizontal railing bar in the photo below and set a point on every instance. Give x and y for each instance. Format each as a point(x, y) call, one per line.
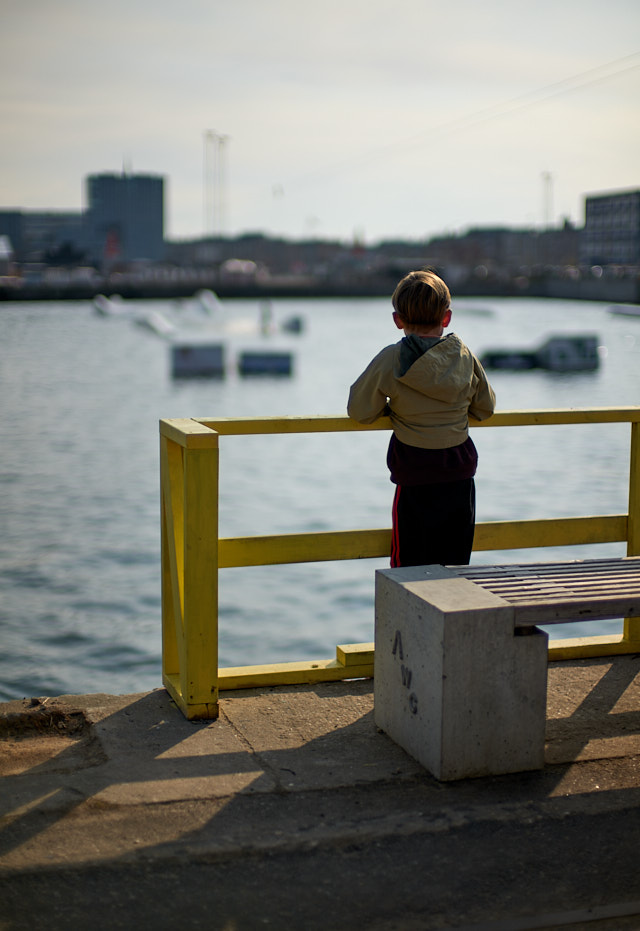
point(280, 549)
point(242, 426)
point(296, 673)
point(569, 415)
point(239, 426)
point(548, 532)
point(303, 547)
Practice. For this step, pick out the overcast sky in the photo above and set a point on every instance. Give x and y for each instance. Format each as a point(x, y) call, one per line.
point(374, 118)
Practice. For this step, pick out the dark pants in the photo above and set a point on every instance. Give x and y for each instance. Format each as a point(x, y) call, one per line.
point(433, 524)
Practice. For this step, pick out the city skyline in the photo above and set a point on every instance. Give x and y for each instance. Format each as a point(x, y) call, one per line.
point(341, 122)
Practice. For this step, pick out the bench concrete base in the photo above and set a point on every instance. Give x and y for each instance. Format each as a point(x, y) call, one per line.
point(455, 685)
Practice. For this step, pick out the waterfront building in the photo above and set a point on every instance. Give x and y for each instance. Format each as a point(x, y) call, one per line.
point(611, 234)
point(50, 235)
point(124, 218)
point(509, 250)
point(44, 235)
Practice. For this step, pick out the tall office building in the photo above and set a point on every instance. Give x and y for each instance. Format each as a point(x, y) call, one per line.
point(611, 234)
point(125, 217)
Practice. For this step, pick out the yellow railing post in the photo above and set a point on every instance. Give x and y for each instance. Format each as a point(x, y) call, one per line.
point(631, 630)
point(172, 544)
point(189, 491)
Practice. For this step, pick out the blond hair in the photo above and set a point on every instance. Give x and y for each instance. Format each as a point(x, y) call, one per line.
point(421, 298)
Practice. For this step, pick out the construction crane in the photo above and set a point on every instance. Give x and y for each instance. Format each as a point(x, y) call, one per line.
point(547, 199)
point(214, 183)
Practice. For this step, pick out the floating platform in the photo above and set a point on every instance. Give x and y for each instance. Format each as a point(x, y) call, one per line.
point(558, 354)
point(265, 362)
point(194, 360)
point(198, 359)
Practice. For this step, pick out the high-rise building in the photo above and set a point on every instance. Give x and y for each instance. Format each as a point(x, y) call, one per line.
point(125, 217)
point(611, 234)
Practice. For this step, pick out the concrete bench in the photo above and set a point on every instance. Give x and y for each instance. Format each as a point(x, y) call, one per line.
point(460, 665)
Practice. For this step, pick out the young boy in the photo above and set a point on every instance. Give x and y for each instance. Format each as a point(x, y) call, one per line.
point(428, 384)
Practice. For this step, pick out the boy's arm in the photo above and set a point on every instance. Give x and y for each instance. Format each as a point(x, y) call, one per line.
point(367, 399)
point(483, 402)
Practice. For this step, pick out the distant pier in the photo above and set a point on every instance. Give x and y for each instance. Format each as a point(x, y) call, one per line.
point(613, 290)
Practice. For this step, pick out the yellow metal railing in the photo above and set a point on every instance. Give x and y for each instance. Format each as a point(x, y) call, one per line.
point(192, 552)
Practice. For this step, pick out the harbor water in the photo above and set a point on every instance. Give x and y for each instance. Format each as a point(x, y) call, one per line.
point(81, 395)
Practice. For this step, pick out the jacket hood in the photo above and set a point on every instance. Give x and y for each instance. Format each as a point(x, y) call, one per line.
point(443, 371)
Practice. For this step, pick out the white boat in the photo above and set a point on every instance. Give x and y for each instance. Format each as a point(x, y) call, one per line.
point(110, 306)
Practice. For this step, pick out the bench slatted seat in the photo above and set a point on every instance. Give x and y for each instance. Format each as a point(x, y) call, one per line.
point(557, 593)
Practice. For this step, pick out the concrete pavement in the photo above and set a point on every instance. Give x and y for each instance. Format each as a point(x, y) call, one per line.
point(293, 812)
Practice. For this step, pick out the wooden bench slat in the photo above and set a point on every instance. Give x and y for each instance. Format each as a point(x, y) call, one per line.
point(568, 598)
point(574, 584)
point(561, 613)
point(549, 593)
point(616, 566)
point(531, 582)
point(600, 580)
point(582, 585)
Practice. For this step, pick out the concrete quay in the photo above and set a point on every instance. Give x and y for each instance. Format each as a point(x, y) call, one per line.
point(292, 811)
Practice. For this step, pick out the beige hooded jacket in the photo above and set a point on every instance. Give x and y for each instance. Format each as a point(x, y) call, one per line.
point(430, 404)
